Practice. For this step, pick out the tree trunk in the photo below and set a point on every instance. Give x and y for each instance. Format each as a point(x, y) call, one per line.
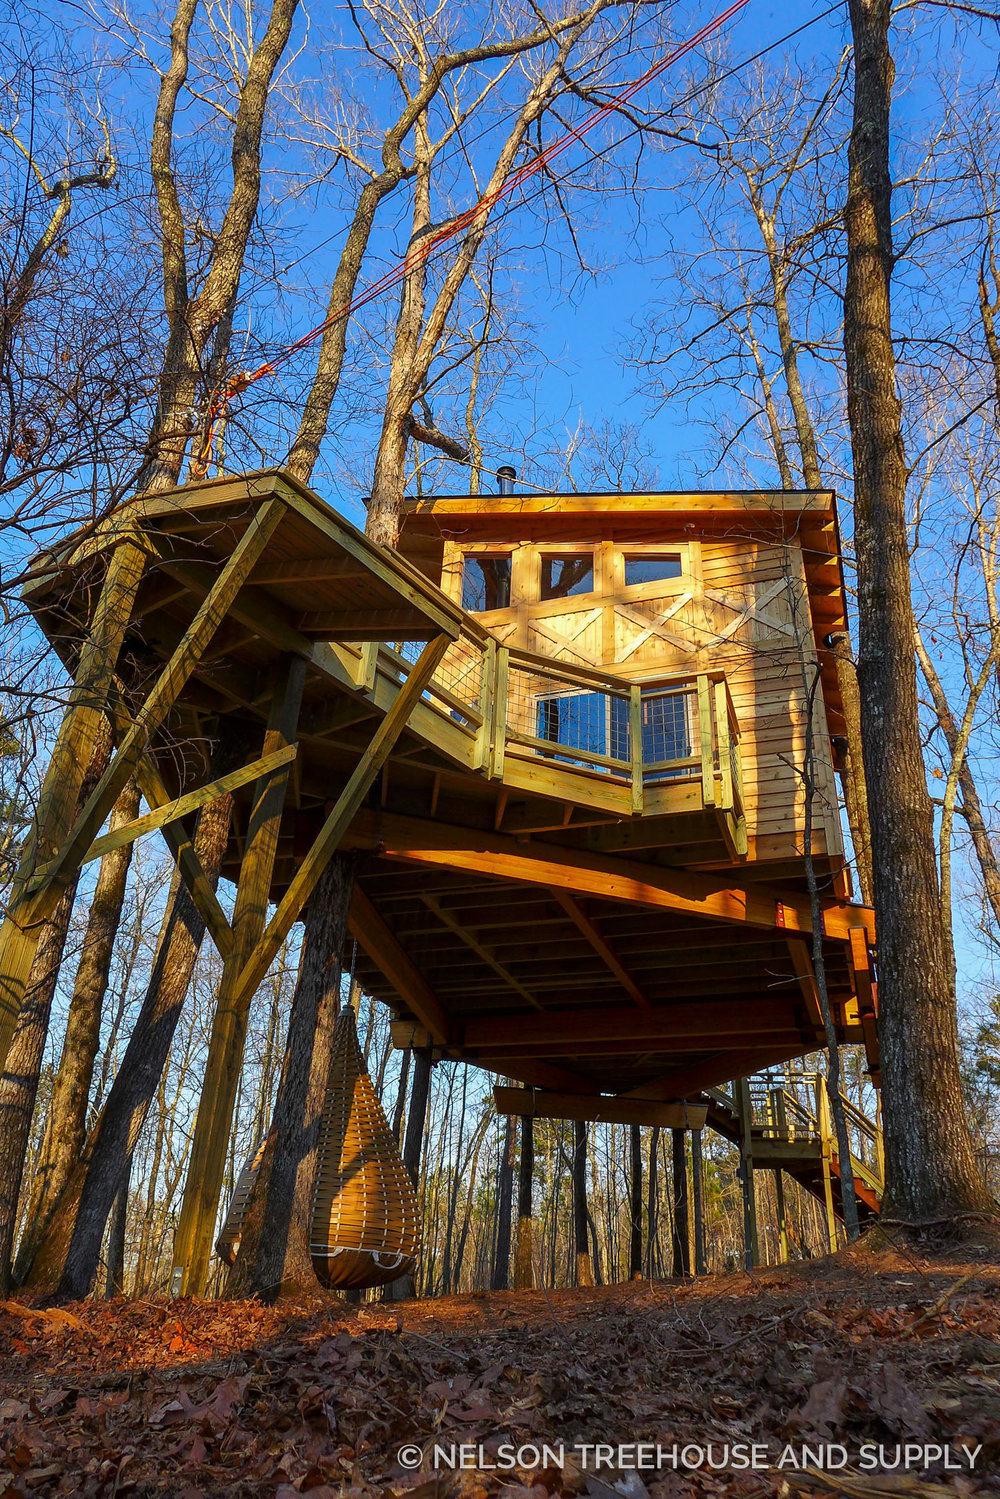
point(524, 1278)
point(584, 1269)
point(931, 1169)
point(680, 1229)
point(274, 1256)
point(82, 1212)
point(635, 1201)
point(652, 1213)
point(19, 1080)
point(66, 1126)
point(505, 1195)
point(700, 1266)
point(115, 1284)
point(404, 1287)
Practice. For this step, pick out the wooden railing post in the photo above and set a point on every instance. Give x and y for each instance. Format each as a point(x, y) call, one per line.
point(487, 687)
point(500, 712)
point(725, 751)
point(705, 735)
point(635, 737)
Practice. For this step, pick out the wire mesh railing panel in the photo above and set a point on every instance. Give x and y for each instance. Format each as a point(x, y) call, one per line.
point(457, 683)
point(671, 736)
point(567, 722)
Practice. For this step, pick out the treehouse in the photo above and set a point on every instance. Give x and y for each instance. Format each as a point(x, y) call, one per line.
point(582, 748)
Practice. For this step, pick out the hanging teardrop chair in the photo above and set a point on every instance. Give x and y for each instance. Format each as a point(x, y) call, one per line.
point(366, 1218)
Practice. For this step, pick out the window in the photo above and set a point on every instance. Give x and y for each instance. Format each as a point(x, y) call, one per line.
point(563, 576)
point(485, 581)
point(641, 568)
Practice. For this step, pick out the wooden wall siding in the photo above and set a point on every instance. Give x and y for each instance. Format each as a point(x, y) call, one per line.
point(740, 604)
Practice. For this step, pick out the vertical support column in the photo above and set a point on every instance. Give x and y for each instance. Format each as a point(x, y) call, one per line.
point(635, 740)
point(751, 1247)
point(195, 1228)
point(725, 745)
point(499, 713)
point(826, 1149)
point(700, 1260)
point(487, 689)
point(635, 1203)
point(779, 1196)
point(524, 1277)
point(64, 776)
point(707, 747)
point(682, 1224)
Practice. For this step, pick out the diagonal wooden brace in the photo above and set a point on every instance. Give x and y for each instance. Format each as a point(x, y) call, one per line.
point(161, 699)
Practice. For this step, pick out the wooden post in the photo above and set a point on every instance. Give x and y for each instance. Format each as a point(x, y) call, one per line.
point(700, 1261)
point(64, 776)
point(707, 748)
point(168, 686)
point(826, 1148)
point(195, 1228)
point(652, 1201)
point(524, 1275)
point(751, 1247)
point(681, 1267)
point(635, 1201)
point(584, 1270)
point(725, 751)
point(779, 1195)
point(328, 839)
point(635, 740)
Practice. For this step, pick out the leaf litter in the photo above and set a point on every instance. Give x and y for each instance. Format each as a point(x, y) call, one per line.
point(198, 1399)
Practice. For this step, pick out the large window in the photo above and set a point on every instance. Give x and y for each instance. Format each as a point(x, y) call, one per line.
point(642, 568)
point(485, 581)
point(563, 576)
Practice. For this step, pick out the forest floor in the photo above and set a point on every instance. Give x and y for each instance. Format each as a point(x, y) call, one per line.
point(868, 1374)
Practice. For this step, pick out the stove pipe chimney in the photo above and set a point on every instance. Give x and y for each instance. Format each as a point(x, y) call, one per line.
point(505, 479)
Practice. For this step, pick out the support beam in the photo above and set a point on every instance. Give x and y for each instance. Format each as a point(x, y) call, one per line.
point(64, 776)
point(158, 703)
point(602, 948)
point(667, 1022)
point(340, 818)
point(801, 957)
point(195, 1228)
point(181, 806)
point(419, 841)
point(602, 1110)
point(394, 963)
point(535, 1074)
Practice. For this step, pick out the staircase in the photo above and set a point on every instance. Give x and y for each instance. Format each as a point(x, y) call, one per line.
point(789, 1129)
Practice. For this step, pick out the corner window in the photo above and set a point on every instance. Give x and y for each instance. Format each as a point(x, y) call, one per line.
point(485, 582)
point(563, 576)
point(641, 568)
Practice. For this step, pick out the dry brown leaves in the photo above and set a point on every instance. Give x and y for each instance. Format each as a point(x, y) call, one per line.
point(195, 1399)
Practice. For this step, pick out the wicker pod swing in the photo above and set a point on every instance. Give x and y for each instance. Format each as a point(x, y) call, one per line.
point(366, 1219)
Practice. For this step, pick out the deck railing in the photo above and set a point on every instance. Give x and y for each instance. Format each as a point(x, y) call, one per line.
point(795, 1106)
point(589, 735)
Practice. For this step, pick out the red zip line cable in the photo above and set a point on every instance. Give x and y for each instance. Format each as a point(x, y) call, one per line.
point(242, 381)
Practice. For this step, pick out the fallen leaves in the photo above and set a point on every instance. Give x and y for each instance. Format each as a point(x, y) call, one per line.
point(194, 1400)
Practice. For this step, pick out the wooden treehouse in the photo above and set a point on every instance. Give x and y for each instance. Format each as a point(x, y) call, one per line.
point(565, 736)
